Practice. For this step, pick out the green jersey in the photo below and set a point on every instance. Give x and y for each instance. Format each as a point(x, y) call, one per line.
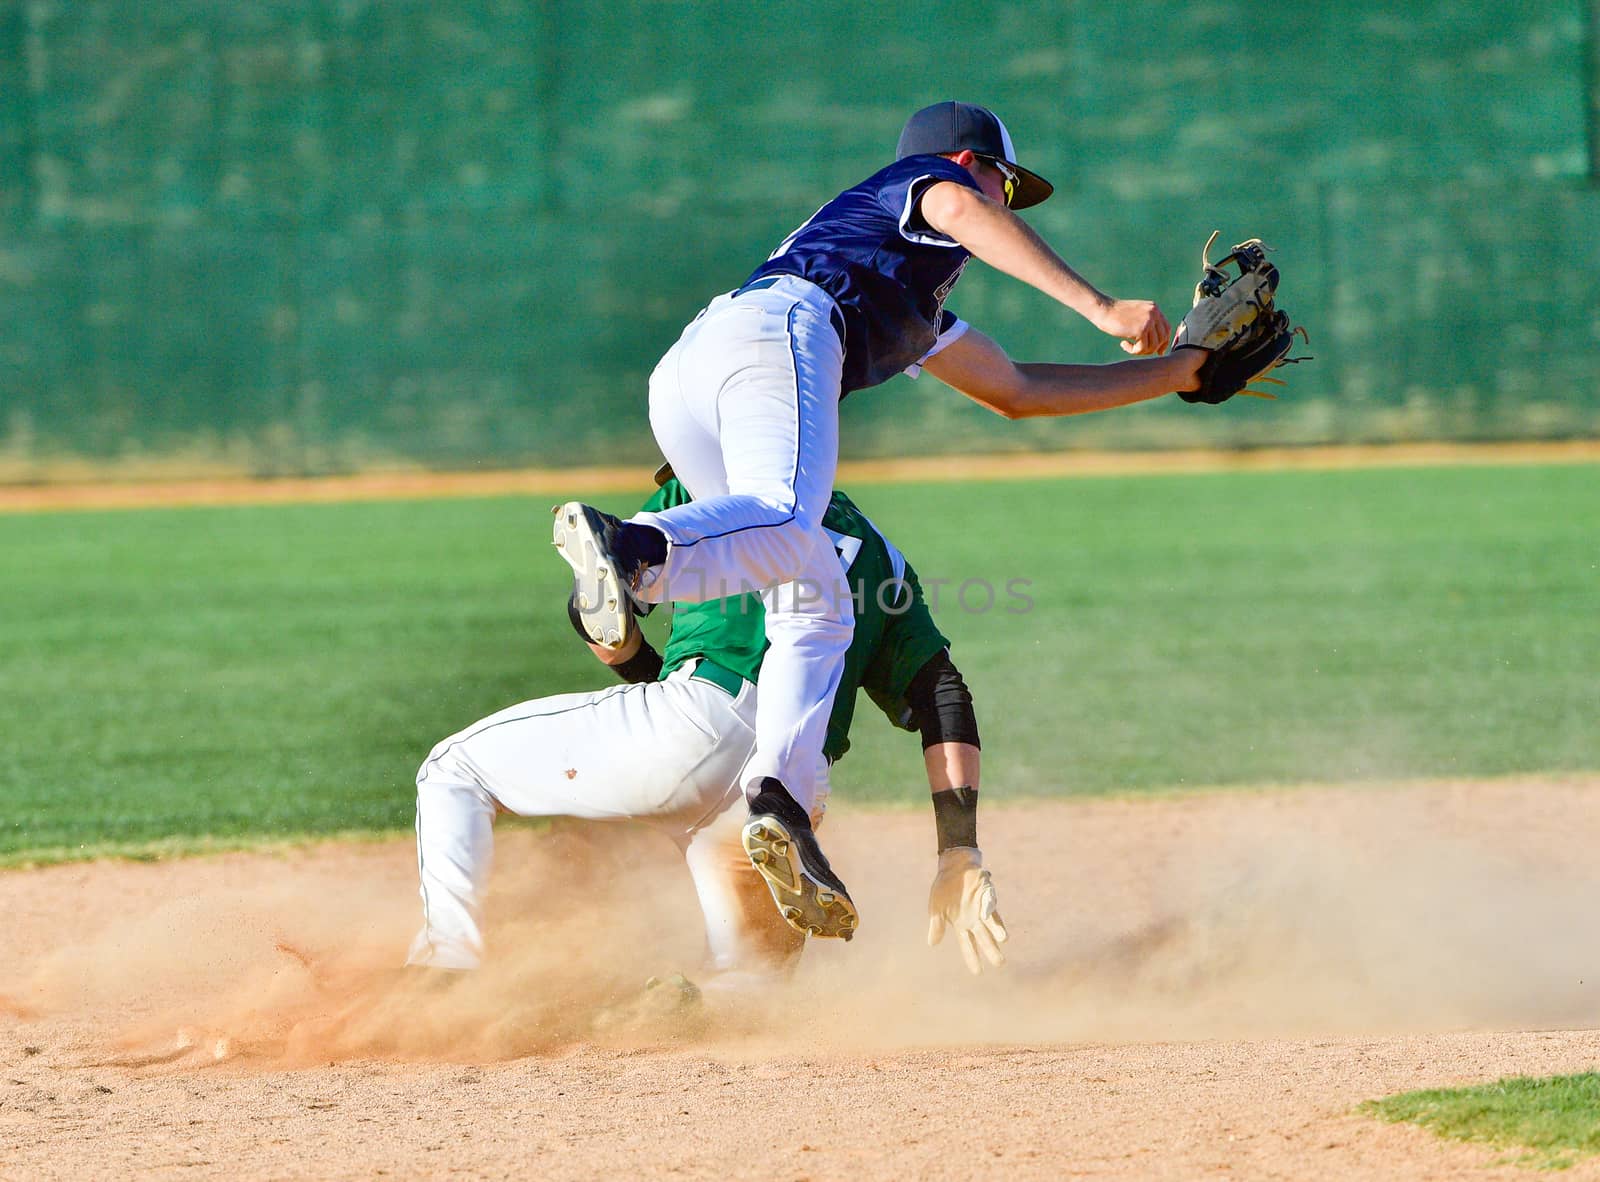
point(894, 634)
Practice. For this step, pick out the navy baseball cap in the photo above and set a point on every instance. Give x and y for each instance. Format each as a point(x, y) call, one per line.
point(951, 127)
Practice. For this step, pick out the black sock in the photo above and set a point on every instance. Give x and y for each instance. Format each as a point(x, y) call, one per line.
point(639, 545)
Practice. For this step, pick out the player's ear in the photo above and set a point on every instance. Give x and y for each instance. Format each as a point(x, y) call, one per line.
point(965, 157)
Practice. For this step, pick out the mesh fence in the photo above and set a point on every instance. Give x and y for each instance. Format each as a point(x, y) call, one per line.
point(310, 236)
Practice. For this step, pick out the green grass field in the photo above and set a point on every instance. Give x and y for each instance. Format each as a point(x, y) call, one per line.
point(248, 672)
point(1555, 1121)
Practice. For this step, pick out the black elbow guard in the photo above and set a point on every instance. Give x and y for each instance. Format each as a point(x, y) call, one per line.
point(941, 704)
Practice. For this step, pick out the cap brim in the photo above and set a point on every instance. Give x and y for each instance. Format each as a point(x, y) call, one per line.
point(1031, 188)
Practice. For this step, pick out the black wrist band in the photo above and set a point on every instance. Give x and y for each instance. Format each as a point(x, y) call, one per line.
point(644, 665)
point(955, 818)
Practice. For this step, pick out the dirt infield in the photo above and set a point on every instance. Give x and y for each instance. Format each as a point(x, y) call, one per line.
point(1200, 986)
point(82, 491)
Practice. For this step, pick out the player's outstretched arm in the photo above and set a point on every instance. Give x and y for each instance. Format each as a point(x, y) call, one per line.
point(962, 896)
point(981, 369)
point(1003, 240)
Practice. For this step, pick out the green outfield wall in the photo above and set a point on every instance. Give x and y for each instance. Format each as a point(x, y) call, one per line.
point(312, 235)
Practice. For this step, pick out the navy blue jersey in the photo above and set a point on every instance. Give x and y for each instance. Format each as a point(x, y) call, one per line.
point(887, 269)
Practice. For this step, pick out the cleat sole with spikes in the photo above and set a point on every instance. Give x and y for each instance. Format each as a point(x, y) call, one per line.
point(607, 615)
point(808, 906)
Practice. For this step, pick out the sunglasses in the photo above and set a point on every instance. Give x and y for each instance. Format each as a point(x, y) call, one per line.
point(1011, 175)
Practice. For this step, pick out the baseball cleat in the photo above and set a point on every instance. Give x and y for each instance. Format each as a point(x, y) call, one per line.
point(782, 847)
point(599, 586)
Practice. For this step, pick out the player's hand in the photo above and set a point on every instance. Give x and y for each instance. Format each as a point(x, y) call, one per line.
point(963, 898)
point(1140, 324)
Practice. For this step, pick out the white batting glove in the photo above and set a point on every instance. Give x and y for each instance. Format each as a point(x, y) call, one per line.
point(963, 897)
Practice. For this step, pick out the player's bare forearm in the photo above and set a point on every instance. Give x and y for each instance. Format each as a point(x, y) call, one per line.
point(979, 368)
point(1049, 390)
point(952, 765)
point(618, 656)
point(1003, 240)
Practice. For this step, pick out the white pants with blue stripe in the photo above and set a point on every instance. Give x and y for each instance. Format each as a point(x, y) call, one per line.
point(667, 753)
point(745, 406)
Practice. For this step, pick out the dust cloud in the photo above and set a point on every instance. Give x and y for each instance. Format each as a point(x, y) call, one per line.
point(1225, 915)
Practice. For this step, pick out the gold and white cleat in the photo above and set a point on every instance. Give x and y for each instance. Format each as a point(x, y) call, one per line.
point(808, 894)
point(582, 536)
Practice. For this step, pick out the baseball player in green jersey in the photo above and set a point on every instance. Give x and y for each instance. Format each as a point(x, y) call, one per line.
point(668, 748)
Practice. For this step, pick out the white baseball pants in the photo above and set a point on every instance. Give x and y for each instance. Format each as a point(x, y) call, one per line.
point(668, 753)
point(746, 408)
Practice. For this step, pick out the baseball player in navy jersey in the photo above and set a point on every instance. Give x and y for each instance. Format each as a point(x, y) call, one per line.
point(745, 406)
point(669, 747)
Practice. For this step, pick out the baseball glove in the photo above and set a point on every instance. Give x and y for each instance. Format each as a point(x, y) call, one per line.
point(1237, 322)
